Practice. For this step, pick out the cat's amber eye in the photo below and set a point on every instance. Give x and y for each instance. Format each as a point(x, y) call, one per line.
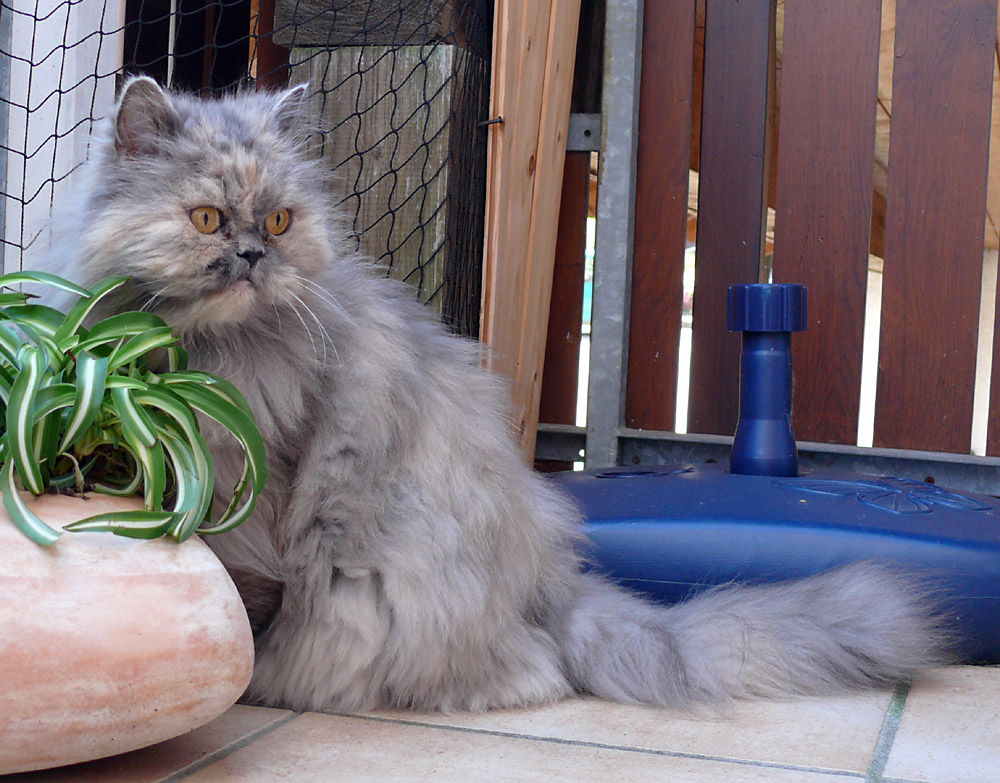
point(277, 222)
point(206, 219)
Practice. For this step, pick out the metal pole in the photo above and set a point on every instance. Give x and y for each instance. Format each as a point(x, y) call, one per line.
point(615, 225)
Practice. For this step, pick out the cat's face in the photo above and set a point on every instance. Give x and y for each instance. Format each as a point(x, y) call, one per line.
point(210, 206)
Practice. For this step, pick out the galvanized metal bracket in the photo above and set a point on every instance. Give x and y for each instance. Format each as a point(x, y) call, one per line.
point(584, 133)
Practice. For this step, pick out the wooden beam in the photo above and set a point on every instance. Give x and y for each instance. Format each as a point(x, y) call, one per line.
point(562, 348)
point(661, 209)
point(560, 382)
point(732, 208)
point(268, 61)
point(305, 23)
point(936, 212)
point(533, 58)
point(825, 172)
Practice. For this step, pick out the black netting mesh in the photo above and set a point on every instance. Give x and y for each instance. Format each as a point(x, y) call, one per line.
point(400, 87)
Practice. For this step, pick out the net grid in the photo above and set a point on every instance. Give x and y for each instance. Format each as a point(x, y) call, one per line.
point(400, 89)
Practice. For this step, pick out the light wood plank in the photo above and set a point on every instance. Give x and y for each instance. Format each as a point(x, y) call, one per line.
point(534, 52)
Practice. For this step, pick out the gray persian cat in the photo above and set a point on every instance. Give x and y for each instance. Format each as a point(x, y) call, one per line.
point(403, 554)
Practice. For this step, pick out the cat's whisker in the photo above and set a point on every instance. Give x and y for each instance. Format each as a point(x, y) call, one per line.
point(318, 291)
point(321, 293)
point(148, 305)
point(165, 284)
point(326, 335)
point(305, 327)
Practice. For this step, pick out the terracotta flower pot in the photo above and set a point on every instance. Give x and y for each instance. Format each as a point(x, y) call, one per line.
point(109, 644)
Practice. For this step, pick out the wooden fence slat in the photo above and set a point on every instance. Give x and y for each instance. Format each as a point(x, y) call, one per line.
point(535, 47)
point(731, 200)
point(268, 61)
point(562, 345)
point(993, 228)
point(660, 212)
point(936, 211)
point(562, 348)
point(824, 198)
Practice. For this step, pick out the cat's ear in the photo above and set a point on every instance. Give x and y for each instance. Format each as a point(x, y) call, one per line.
point(145, 118)
point(291, 109)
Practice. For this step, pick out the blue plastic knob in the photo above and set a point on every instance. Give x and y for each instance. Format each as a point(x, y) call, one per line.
point(766, 315)
point(766, 307)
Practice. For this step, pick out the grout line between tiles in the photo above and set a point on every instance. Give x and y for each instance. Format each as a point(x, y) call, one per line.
point(887, 735)
point(859, 776)
point(229, 749)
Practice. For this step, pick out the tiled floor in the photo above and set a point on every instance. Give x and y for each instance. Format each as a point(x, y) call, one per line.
point(945, 730)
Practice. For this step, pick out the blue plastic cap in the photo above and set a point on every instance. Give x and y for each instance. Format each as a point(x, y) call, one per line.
point(766, 307)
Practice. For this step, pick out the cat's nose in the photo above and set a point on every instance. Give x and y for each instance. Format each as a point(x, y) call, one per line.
point(250, 255)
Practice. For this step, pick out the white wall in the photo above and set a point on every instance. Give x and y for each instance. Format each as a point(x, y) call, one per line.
point(63, 57)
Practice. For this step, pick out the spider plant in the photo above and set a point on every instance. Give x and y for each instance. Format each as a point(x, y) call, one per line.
point(112, 409)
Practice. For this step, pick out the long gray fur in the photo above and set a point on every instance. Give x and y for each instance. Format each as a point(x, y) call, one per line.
point(403, 554)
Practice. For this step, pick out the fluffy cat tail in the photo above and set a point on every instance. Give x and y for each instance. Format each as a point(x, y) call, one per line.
point(861, 625)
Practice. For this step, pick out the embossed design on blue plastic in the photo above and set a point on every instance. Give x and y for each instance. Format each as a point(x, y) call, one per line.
point(898, 495)
point(642, 471)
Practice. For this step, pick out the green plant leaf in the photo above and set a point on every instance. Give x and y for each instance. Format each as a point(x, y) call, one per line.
point(46, 439)
point(82, 407)
point(188, 376)
point(76, 478)
point(125, 489)
point(91, 377)
point(18, 278)
point(10, 342)
point(187, 484)
point(89, 299)
point(124, 382)
point(11, 299)
point(120, 326)
point(209, 401)
point(20, 418)
point(141, 344)
point(177, 359)
point(43, 344)
point(45, 320)
point(155, 483)
point(132, 524)
point(135, 421)
point(53, 397)
point(6, 381)
point(230, 393)
point(201, 503)
point(29, 523)
point(182, 418)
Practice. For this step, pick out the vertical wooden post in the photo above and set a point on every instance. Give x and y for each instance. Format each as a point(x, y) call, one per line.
point(732, 196)
point(662, 174)
point(533, 57)
point(824, 201)
point(938, 162)
point(268, 61)
point(560, 382)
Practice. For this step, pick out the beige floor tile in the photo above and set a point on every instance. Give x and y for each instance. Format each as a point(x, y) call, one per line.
point(950, 729)
point(833, 733)
point(322, 748)
point(157, 761)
